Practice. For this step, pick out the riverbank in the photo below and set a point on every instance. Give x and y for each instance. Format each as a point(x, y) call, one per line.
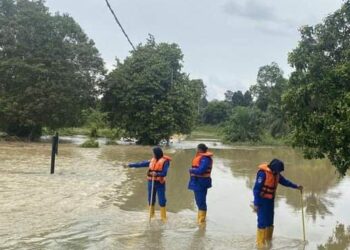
point(112, 136)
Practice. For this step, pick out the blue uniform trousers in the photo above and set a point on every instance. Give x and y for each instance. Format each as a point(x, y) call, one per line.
point(266, 213)
point(159, 190)
point(201, 199)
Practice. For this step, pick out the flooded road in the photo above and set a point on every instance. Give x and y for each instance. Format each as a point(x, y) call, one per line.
point(93, 202)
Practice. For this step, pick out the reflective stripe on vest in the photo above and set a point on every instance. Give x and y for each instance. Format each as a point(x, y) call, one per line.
point(157, 166)
point(268, 190)
point(197, 160)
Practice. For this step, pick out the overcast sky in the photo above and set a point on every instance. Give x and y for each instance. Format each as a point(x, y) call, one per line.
point(224, 41)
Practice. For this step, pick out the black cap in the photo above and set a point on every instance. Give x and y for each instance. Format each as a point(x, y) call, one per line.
point(276, 166)
point(202, 147)
point(158, 152)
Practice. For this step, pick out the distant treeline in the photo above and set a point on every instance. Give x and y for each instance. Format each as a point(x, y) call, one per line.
point(255, 113)
point(52, 76)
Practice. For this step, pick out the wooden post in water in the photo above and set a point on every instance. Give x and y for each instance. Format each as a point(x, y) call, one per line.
point(54, 152)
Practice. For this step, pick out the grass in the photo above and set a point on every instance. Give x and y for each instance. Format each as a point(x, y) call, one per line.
point(265, 140)
point(206, 132)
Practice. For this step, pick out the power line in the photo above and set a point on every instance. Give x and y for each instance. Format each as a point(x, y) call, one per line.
point(121, 27)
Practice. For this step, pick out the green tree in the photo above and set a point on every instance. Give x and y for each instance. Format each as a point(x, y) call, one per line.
point(200, 95)
point(228, 95)
point(216, 112)
point(318, 99)
point(49, 69)
point(269, 86)
point(149, 96)
point(268, 92)
point(245, 124)
point(94, 119)
point(238, 98)
point(248, 99)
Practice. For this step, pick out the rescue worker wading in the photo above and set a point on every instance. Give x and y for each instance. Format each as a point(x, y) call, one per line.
point(200, 179)
point(267, 179)
point(158, 168)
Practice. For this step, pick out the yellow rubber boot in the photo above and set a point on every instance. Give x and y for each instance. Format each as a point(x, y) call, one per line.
point(163, 214)
point(260, 238)
point(269, 233)
point(201, 216)
point(151, 211)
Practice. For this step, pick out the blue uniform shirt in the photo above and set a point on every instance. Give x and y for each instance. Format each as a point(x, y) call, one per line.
point(200, 183)
point(259, 183)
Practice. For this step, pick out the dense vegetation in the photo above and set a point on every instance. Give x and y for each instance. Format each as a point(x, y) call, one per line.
point(149, 96)
point(49, 69)
point(52, 77)
point(311, 108)
point(254, 114)
point(318, 97)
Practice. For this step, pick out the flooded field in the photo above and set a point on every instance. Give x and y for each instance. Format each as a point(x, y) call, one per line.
point(93, 202)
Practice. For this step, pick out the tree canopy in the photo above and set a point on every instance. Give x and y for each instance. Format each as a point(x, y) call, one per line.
point(245, 124)
point(149, 96)
point(216, 112)
point(237, 98)
point(318, 98)
point(49, 69)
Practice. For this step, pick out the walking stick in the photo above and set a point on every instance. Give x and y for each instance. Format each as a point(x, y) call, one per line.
point(151, 200)
point(302, 212)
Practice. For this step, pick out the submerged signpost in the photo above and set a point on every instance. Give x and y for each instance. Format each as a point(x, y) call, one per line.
point(54, 152)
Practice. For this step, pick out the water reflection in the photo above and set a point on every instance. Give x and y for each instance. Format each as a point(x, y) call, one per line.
point(93, 202)
point(340, 240)
point(318, 177)
point(198, 239)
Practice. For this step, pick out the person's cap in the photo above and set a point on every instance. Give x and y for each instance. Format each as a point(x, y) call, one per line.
point(158, 152)
point(202, 147)
point(276, 166)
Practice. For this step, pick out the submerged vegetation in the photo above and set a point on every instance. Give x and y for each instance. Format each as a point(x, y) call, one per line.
point(90, 143)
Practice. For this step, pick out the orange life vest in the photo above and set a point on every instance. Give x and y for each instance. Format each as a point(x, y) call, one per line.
point(157, 166)
point(197, 160)
point(271, 182)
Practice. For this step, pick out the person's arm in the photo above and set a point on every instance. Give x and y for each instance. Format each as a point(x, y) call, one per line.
point(203, 166)
point(259, 183)
point(287, 183)
point(141, 164)
point(164, 172)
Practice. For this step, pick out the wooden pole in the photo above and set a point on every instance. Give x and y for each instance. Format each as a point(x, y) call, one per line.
point(302, 213)
point(54, 152)
point(151, 200)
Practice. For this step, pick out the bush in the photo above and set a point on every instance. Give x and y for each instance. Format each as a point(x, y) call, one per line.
point(245, 124)
point(111, 142)
point(111, 133)
point(216, 112)
point(90, 143)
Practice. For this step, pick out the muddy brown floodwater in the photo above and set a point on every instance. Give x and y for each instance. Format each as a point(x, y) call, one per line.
point(92, 202)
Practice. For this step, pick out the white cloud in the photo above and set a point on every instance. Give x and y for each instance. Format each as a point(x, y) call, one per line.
point(224, 41)
point(251, 9)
